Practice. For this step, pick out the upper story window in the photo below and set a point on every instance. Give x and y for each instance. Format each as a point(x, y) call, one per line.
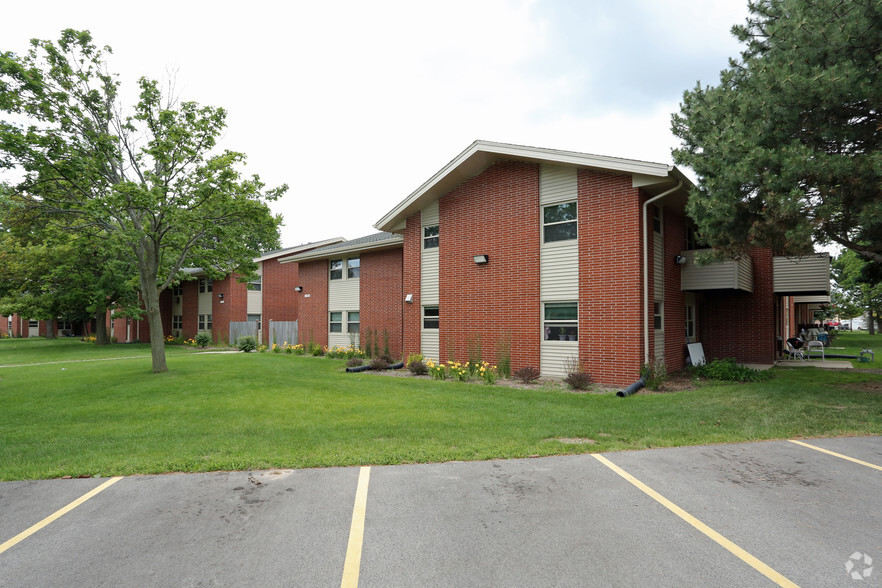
point(177, 290)
point(657, 220)
point(255, 285)
point(204, 285)
point(353, 266)
point(430, 237)
point(336, 269)
point(559, 222)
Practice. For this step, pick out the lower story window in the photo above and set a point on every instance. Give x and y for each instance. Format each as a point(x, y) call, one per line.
point(561, 321)
point(254, 318)
point(204, 322)
point(690, 322)
point(33, 324)
point(335, 322)
point(352, 322)
point(431, 317)
point(177, 321)
point(657, 310)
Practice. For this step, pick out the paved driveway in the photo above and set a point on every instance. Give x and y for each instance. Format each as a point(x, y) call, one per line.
point(730, 515)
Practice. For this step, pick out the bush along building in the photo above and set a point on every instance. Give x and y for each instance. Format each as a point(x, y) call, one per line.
point(548, 258)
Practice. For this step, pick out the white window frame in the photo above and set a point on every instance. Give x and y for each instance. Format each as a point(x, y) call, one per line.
point(205, 285)
point(690, 322)
point(555, 328)
point(574, 222)
point(338, 322)
point(201, 322)
point(177, 322)
point(256, 285)
point(353, 271)
point(658, 315)
point(435, 318)
point(332, 271)
point(431, 241)
point(251, 319)
point(350, 323)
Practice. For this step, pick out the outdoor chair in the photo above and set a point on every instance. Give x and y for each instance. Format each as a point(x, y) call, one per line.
point(817, 346)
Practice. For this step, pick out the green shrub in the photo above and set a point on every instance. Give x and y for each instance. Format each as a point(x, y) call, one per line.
point(436, 370)
point(729, 371)
point(416, 364)
point(577, 378)
point(354, 362)
point(203, 339)
point(654, 374)
point(379, 363)
point(527, 374)
point(487, 373)
point(503, 356)
point(246, 344)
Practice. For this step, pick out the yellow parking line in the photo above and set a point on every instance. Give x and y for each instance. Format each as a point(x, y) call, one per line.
point(57, 514)
point(746, 557)
point(356, 532)
point(833, 453)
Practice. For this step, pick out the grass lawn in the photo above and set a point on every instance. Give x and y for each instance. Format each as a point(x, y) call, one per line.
point(259, 411)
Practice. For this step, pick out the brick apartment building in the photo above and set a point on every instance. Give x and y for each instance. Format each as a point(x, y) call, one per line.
point(557, 256)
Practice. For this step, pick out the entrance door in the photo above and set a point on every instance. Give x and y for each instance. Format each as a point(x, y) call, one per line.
point(33, 328)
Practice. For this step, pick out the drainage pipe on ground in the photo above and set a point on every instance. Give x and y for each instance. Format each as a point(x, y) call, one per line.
point(632, 389)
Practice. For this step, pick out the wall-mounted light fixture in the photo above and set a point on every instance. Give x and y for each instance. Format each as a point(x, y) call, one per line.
point(680, 260)
point(409, 298)
point(481, 259)
point(298, 288)
point(221, 296)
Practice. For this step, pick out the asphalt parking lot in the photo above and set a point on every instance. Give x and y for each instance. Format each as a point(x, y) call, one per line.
point(752, 514)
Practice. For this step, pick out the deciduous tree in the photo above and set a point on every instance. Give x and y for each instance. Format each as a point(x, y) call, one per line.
point(152, 181)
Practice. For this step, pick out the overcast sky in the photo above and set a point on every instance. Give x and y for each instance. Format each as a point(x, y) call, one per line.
point(354, 104)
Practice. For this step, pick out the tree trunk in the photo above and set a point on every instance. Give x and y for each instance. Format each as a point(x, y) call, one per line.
point(51, 329)
point(147, 270)
point(101, 336)
point(871, 322)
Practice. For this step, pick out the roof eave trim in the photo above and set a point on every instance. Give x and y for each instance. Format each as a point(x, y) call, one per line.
point(358, 248)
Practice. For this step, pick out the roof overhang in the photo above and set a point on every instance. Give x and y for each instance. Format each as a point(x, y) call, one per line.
point(654, 178)
point(299, 248)
point(392, 243)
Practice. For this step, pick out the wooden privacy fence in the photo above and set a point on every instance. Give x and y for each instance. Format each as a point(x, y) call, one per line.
point(281, 332)
point(242, 329)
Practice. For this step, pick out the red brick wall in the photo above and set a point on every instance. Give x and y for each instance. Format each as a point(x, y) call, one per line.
point(279, 298)
point(739, 324)
point(4, 325)
point(381, 296)
point(610, 278)
point(313, 302)
point(232, 307)
point(495, 213)
point(190, 308)
point(412, 313)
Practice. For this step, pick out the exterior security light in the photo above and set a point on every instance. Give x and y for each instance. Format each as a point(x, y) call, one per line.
point(298, 288)
point(680, 260)
point(481, 259)
point(409, 298)
point(221, 296)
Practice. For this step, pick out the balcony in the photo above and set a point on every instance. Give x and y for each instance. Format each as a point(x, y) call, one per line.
point(802, 276)
point(717, 275)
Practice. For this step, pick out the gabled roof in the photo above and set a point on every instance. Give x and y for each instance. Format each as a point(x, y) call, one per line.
point(373, 242)
point(482, 154)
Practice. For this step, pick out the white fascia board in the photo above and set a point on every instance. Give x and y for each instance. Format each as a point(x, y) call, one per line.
point(480, 154)
point(294, 250)
point(344, 251)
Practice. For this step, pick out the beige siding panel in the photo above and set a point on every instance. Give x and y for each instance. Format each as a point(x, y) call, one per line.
point(722, 275)
point(429, 276)
point(554, 357)
point(801, 274)
point(343, 295)
point(340, 339)
point(659, 345)
point(557, 184)
point(430, 215)
point(430, 345)
point(254, 304)
point(658, 267)
point(559, 271)
point(204, 303)
point(811, 299)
